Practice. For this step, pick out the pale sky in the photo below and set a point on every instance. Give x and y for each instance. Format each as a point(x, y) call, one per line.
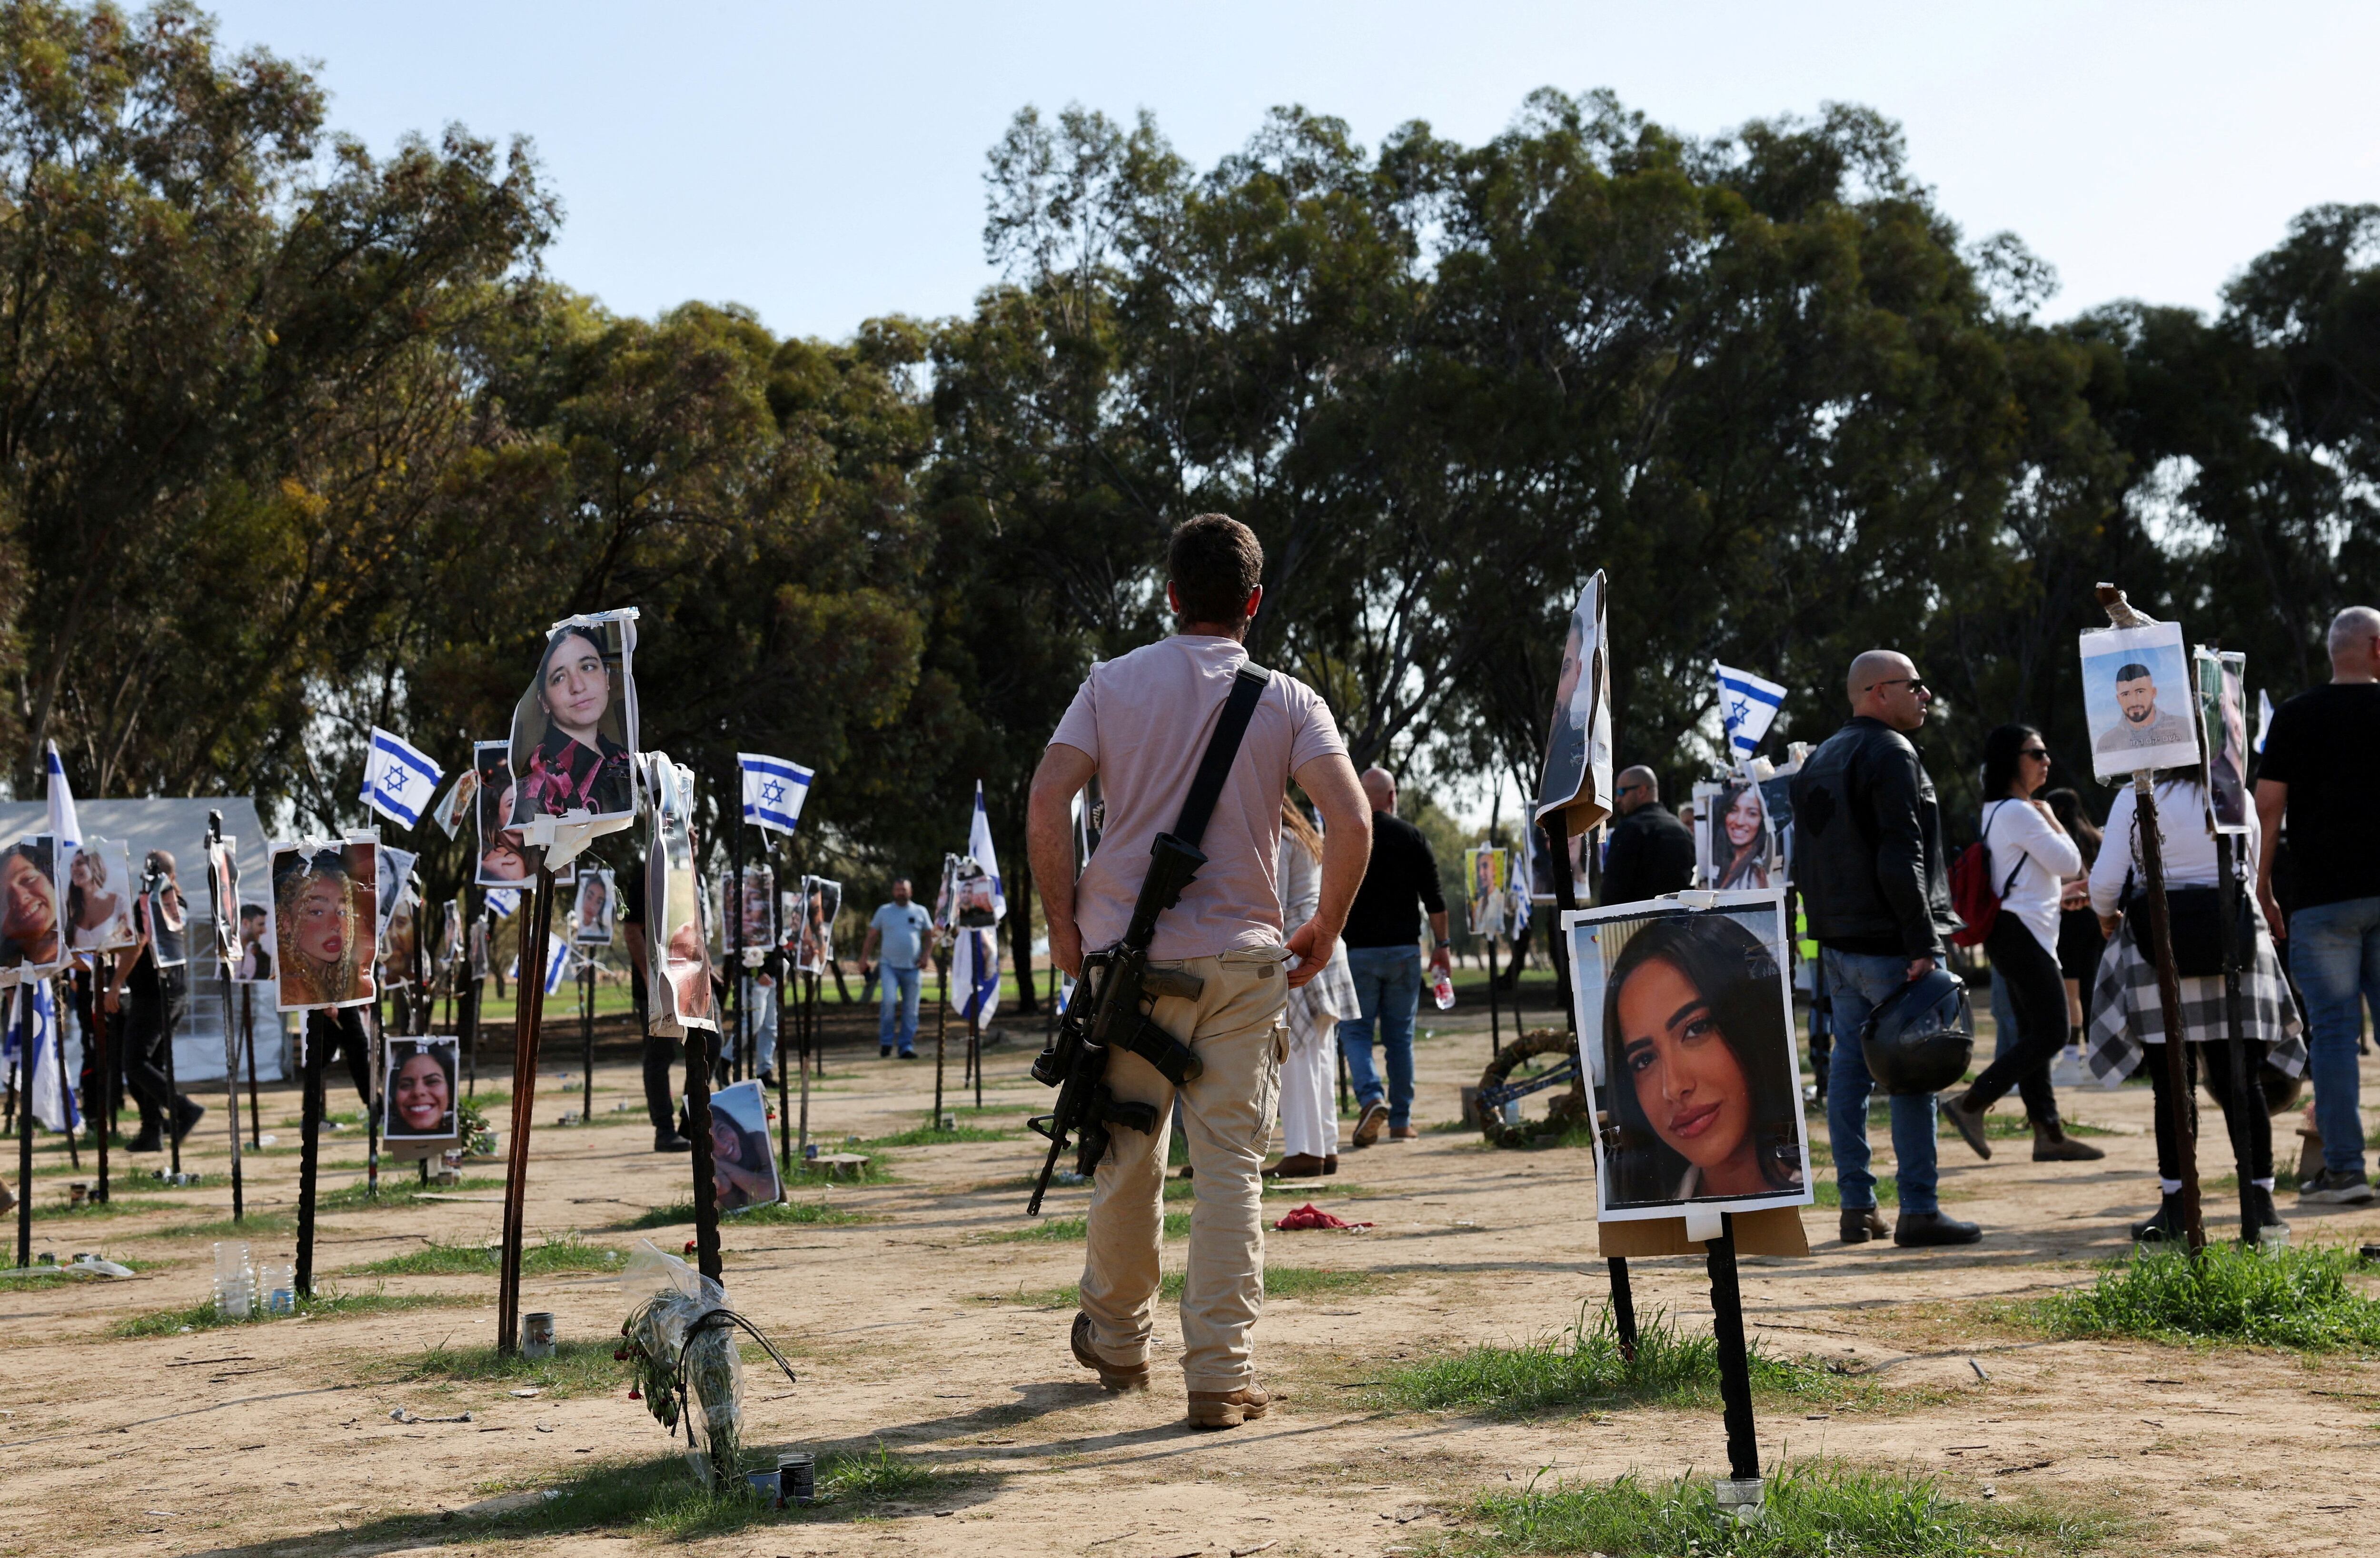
point(823, 164)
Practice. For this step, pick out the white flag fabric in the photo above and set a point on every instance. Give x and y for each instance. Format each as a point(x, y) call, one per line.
point(399, 778)
point(975, 973)
point(773, 790)
point(979, 845)
point(2264, 728)
point(557, 963)
point(502, 901)
point(1749, 705)
point(33, 1044)
point(62, 822)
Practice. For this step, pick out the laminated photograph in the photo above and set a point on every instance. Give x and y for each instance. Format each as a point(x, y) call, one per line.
point(99, 897)
point(821, 901)
point(674, 909)
point(255, 964)
point(2222, 679)
point(456, 803)
point(1484, 869)
point(590, 916)
point(505, 858)
point(418, 1099)
point(1743, 847)
point(223, 889)
point(743, 1158)
point(1577, 781)
point(1701, 816)
point(2136, 697)
point(32, 933)
point(325, 912)
point(574, 741)
point(1687, 1012)
point(395, 869)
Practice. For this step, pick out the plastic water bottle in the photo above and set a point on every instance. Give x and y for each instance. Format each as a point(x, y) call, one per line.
point(1442, 990)
point(235, 1282)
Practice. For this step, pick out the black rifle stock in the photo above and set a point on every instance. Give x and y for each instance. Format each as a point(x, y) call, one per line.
point(1110, 1011)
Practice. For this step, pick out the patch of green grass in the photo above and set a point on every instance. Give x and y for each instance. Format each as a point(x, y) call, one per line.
point(50, 1279)
point(118, 1205)
point(2002, 1126)
point(1059, 1230)
point(1830, 1194)
point(1813, 1508)
point(806, 1212)
point(1280, 1282)
point(2284, 1177)
point(327, 1306)
point(2295, 1297)
point(248, 1226)
point(659, 1497)
point(1582, 1367)
point(934, 1136)
point(576, 1368)
point(555, 1256)
point(398, 1190)
point(878, 1170)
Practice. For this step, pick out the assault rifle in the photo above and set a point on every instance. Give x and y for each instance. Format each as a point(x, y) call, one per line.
point(1110, 1007)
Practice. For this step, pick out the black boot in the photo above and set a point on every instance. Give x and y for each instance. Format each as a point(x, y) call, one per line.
point(187, 1113)
point(2165, 1225)
point(1861, 1224)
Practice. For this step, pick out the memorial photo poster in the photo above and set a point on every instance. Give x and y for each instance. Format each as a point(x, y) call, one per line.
point(2136, 697)
point(223, 888)
point(574, 740)
point(1701, 818)
point(743, 1157)
point(325, 912)
point(255, 964)
point(162, 913)
point(749, 916)
point(590, 917)
point(1742, 845)
point(1486, 872)
point(1688, 1012)
point(2222, 678)
point(99, 897)
point(505, 860)
point(674, 911)
point(32, 933)
point(820, 900)
point(419, 1094)
point(965, 901)
point(1577, 781)
point(395, 893)
point(398, 934)
point(456, 803)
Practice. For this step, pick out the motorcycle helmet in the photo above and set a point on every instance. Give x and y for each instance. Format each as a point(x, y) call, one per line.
point(1919, 1038)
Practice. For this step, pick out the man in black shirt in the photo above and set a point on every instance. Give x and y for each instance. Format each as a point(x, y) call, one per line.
point(1651, 852)
point(2320, 757)
point(1383, 952)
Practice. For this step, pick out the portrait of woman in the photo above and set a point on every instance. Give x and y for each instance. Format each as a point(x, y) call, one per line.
point(674, 902)
point(1742, 851)
point(420, 1090)
point(324, 910)
point(821, 900)
point(571, 741)
point(743, 1166)
point(32, 936)
point(505, 859)
point(99, 897)
point(592, 918)
point(1704, 1104)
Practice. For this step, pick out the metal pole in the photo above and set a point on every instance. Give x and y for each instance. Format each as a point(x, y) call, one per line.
point(248, 1042)
point(974, 1056)
point(1623, 1294)
point(1734, 1359)
point(1495, 1044)
point(320, 1025)
point(587, 1040)
point(231, 1041)
point(101, 1117)
point(58, 1047)
point(528, 1013)
point(2182, 1106)
point(20, 1088)
point(371, 1102)
point(799, 1043)
point(734, 904)
point(174, 1088)
point(804, 1062)
point(2243, 1092)
point(706, 1188)
point(941, 1026)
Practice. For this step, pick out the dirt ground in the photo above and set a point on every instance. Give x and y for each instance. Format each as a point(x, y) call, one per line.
point(915, 1329)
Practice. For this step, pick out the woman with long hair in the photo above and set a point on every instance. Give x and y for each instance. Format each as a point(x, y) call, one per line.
point(1739, 850)
point(1309, 1116)
point(323, 952)
point(1699, 1062)
point(739, 1164)
point(574, 766)
point(95, 917)
point(421, 1090)
point(2080, 940)
point(30, 936)
point(2029, 857)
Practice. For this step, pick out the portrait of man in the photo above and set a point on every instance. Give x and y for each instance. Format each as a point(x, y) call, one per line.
point(2143, 722)
point(2136, 698)
point(255, 964)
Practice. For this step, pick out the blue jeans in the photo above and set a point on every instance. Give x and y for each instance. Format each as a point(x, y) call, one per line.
point(760, 1001)
point(1855, 982)
point(2334, 953)
point(900, 995)
point(1388, 991)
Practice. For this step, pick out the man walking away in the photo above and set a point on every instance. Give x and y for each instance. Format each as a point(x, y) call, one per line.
point(2317, 775)
point(662, 1054)
point(1874, 877)
point(900, 929)
point(1651, 852)
point(1141, 723)
point(155, 970)
point(1384, 954)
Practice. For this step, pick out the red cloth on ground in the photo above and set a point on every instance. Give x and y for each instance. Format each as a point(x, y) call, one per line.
point(1312, 1216)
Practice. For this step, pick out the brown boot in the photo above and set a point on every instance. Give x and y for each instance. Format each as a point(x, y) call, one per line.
point(1222, 1409)
point(1970, 1121)
point(1297, 1165)
point(1370, 1123)
point(2052, 1145)
point(1113, 1376)
point(1330, 1163)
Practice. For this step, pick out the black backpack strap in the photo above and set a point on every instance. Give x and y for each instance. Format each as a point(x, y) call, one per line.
point(1222, 749)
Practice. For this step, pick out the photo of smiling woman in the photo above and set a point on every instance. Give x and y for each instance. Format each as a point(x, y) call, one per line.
point(574, 732)
point(325, 913)
point(99, 901)
point(1741, 854)
point(743, 1161)
point(1684, 1013)
point(32, 935)
point(420, 1090)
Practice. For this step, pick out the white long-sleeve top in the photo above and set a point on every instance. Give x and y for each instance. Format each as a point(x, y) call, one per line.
point(2032, 856)
point(2182, 839)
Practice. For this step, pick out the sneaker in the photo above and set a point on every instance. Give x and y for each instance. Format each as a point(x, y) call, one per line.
point(2335, 1187)
point(1222, 1409)
point(883, 1051)
point(1970, 1122)
point(1861, 1223)
point(1921, 1229)
point(1113, 1376)
point(1370, 1123)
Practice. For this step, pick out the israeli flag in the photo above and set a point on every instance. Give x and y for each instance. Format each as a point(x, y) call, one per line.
point(979, 845)
point(557, 963)
point(68, 831)
point(773, 790)
point(1749, 706)
point(2264, 728)
point(502, 901)
point(33, 1039)
point(398, 779)
point(974, 970)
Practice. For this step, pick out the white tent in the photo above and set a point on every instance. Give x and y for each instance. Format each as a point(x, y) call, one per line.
point(180, 828)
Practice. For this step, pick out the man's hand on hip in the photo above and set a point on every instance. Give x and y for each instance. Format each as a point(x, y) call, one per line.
point(1313, 945)
point(1919, 968)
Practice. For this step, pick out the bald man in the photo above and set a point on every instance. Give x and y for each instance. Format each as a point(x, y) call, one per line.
point(1651, 852)
point(1383, 938)
point(1873, 872)
point(2316, 778)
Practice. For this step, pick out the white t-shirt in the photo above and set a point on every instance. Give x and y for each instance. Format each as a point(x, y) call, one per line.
point(2188, 850)
point(2019, 839)
point(1143, 719)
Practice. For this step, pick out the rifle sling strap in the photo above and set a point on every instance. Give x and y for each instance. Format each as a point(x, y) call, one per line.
point(1223, 751)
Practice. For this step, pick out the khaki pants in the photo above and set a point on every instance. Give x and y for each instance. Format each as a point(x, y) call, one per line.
point(1234, 1027)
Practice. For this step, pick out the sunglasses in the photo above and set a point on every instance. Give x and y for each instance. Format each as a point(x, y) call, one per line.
point(2041, 752)
point(1917, 687)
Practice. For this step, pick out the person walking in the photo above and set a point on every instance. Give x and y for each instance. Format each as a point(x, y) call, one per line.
point(2316, 778)
point(155, 971)
point(662, 1054)
point(1650, 851)
point(1875, 887)
point(2028, 856)
point(1309, 1116)
point(1141, 723)
point(899, 930)
point(1384, 955)
point(2081, 943)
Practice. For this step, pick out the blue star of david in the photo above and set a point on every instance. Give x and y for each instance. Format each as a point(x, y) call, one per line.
point(772, 793)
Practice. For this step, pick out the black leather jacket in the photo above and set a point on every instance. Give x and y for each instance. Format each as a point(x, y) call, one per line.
point(1869, 856)
point(1651, 853)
